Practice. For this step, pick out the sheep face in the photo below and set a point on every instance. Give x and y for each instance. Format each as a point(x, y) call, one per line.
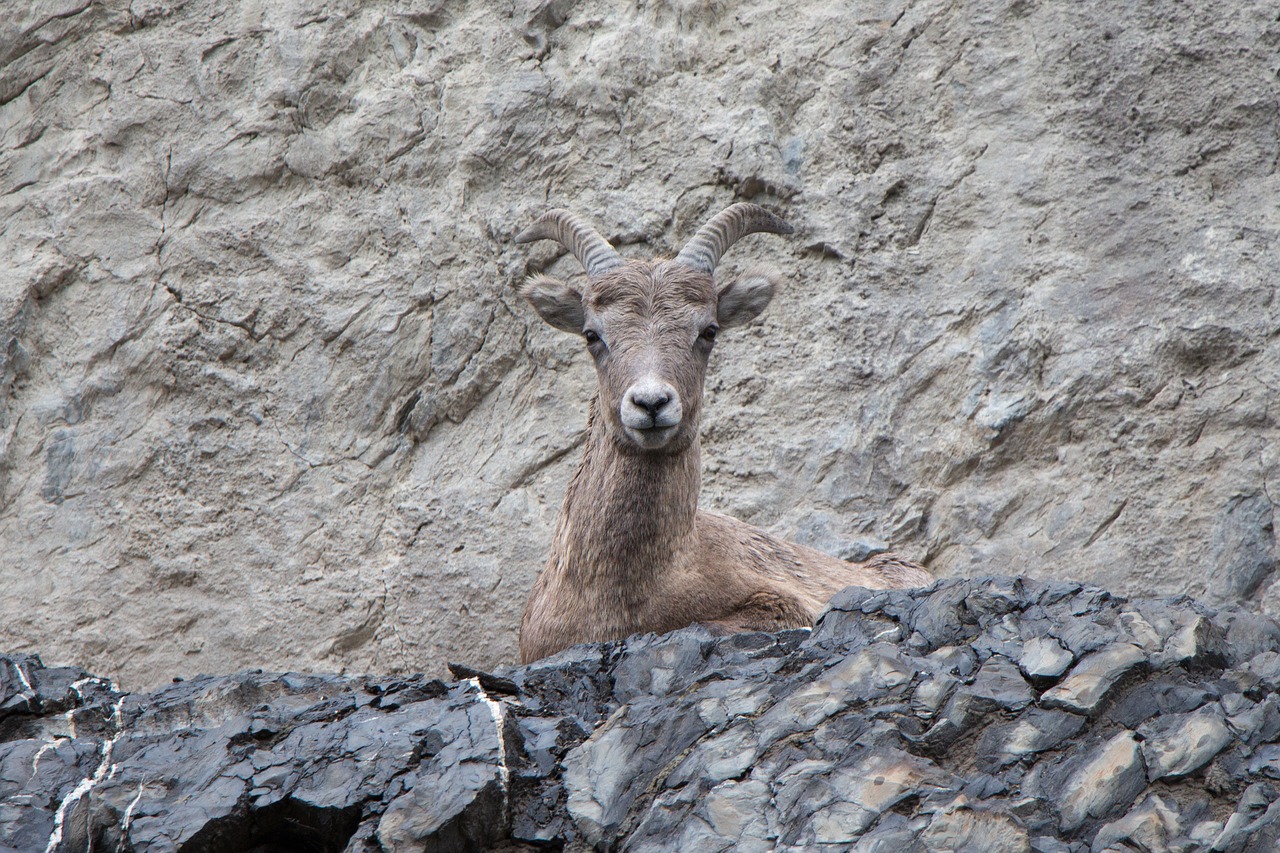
point(650, 326)
point(650, 329)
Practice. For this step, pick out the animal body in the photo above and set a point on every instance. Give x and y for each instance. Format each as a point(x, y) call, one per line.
point(632, 552)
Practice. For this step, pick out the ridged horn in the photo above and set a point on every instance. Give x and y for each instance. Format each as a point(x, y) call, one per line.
point(592, 251)
point(724, 229)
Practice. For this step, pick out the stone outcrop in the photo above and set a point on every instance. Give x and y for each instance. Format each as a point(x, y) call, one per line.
point(993, 714)
point(267, 396)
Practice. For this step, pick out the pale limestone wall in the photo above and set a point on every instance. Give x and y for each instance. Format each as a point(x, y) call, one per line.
point(269, 398)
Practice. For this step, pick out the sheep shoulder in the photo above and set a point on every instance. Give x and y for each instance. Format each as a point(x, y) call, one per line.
point(783, 584)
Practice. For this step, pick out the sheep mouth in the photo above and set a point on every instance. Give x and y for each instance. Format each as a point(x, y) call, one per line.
point(653, 437)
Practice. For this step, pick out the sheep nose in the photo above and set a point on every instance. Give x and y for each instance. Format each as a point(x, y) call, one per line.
point(651, 400)
point(651, 404)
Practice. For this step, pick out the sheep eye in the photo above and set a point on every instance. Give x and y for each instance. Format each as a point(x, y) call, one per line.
point(709, 333)
point(591, 336)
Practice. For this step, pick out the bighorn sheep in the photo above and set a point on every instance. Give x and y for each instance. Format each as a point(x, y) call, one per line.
point(632, 551)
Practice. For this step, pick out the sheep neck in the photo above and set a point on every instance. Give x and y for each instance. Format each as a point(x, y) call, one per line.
point(628, 517)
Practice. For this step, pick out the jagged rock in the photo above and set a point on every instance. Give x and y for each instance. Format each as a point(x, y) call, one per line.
point(1093, 677)
point(1044, 657)
point(1152, 825)
point(1034, 732)
point(1105, 779)
point(1178, 744)
point(683, 741)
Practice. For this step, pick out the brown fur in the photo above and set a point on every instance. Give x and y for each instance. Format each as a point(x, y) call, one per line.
point(632, 552)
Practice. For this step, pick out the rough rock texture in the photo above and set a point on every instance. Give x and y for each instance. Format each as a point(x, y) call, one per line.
point(906, 721)
point(267, 396)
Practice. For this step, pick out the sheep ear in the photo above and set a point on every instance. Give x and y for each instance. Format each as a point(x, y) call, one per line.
point(556, 303)
point(743, 298)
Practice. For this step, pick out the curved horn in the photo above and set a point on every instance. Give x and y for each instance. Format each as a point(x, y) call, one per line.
point(724, 229)
point(592, 251)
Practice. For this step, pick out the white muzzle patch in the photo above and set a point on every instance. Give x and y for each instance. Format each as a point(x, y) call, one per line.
point(651, 411)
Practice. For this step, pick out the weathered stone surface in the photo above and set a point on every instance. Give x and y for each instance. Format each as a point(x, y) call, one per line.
point(1151, 825)
point(269, 398)
point(1108, 777)
point(1033, 732)
point(1183, 743)
point(1093, 677)
point(1000, 683)
point(1044, 657)
point(685, 741)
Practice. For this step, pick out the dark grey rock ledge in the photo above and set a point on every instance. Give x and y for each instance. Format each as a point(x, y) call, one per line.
point(983, 715)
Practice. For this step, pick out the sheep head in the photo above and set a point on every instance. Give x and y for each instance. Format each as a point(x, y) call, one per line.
point(650, 325)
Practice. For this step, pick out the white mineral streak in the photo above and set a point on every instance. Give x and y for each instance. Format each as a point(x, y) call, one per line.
point(104, 770)
point(77, 685)
point(127, 820)
point(27, 689)
point(53, 744)
point(499, 725)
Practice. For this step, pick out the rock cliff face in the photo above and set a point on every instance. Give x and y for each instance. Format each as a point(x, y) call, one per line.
point(989, 715)
point(267, 396)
